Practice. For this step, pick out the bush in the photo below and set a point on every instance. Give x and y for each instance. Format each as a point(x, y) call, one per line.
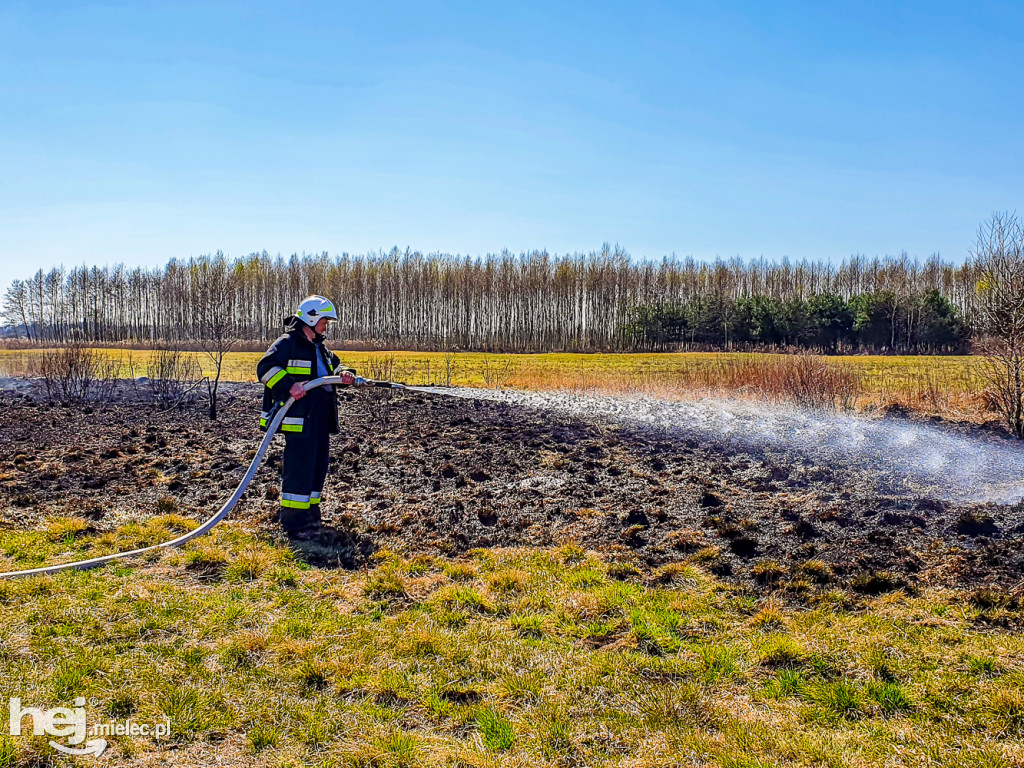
point(75, 374)
point(172, 376)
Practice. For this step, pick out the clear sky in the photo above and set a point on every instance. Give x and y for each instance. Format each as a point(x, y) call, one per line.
point(140, 131)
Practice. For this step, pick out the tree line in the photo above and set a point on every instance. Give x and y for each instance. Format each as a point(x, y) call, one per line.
point(530, 302)
point(923, 322)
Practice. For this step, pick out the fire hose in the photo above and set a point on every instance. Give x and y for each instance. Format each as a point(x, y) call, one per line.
point(229, 505)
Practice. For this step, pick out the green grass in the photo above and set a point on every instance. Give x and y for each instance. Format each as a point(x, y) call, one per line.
point(505, 657)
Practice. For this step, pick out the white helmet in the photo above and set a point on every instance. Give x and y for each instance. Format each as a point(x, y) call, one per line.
point(313, 308)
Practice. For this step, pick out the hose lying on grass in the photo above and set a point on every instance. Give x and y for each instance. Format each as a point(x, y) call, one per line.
point(223, 512)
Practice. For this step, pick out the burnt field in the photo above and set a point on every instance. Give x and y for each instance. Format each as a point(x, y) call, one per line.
point(426, 473)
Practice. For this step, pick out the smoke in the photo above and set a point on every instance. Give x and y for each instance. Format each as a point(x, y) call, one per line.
point(889, 454)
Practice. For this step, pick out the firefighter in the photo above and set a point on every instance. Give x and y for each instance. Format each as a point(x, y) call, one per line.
point(300, 355)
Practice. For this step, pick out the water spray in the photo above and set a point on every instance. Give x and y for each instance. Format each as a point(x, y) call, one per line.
point(893, 455)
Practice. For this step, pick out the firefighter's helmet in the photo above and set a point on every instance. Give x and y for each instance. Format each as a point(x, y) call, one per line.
point(313, 308)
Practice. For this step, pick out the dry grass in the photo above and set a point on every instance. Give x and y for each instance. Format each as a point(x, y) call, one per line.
point(540, 657)
point(949, 386)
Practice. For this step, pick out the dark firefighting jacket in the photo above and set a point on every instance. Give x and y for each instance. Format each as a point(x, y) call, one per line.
point(290, 359)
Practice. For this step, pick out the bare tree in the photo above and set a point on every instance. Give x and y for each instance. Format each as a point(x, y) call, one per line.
point(15, 308)
point(450, 364)
point(999, 260)
point(215, 321)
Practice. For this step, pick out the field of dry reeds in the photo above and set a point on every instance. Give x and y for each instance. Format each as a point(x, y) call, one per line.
point(946, 386)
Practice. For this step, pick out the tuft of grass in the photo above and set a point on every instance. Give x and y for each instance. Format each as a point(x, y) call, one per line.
point(462, 572)
point(68, 529)
point(672, 573)
point(192, 712)
point(719, 663)
point(988, 598)
point(768, 572)
point(173, 523)
point(769, 619)
point(383, 584)
point(8, 751)
point(584, 578)
point(206, 561)
point(505, 582)
point(782, 651)
point(982, 665)
point(624, 572)
point(571, 554)
point(523, 685)
point(496, 730)
point(420, 645)
point(787, 683)
point(1006, 708)
point(315, 729)
point(462, 598)
point(71, 677)
point(248, 566)
point(285, 577)
point(651, 634)
point(890, 697)
point(837, 698)
point(527, 625)
point(450, 619)
point(664, 707)
point(401, 749)
point(877, 582)
point(881, 664)
point(121, 704)
point(555, 733)
point(817, 571)
point(314, 674)
point(166, 505)
point(264, 736)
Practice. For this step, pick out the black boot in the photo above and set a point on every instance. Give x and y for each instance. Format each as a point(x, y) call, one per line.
point(300, 523)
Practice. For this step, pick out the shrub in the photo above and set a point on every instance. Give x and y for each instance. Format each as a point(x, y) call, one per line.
point(75, 374)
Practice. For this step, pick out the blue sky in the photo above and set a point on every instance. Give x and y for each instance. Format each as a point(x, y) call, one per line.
point(138, 132)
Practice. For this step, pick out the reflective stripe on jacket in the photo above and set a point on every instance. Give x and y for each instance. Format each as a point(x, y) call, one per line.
point(292, 359)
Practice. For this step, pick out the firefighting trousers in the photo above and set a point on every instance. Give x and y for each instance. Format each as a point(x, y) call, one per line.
point(306, 455)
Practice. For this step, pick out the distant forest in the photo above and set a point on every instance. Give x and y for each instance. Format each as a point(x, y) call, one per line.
point(601, 301)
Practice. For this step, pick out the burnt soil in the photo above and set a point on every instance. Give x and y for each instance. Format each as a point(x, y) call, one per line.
point(421, 473)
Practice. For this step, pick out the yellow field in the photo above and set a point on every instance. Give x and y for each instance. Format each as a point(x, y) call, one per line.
point(947, 385)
